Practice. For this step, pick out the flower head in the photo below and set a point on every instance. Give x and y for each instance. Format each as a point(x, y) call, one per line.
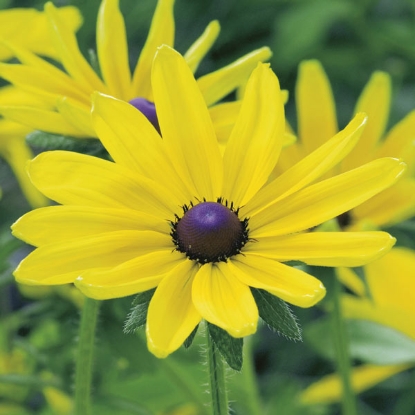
point(202, 227)
point(68, 91)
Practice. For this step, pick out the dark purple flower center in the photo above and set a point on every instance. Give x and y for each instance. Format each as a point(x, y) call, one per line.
point(209, 232)
point(148, 109)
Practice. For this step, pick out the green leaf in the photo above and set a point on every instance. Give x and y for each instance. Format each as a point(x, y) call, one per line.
point(276, 313)
point(229, 347)
point(138, 315)
point(188, 342)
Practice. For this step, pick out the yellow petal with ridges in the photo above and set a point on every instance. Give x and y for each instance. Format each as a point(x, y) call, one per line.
point(330, 249)
point(310, 168)
point(62, 263)
point(223, 300)
point(202, 45)
point(216, 85)
point(70, 55)
point(11, 96)
point(161, 33)
point(70, 222)
point(317, 121)
point(141, 273)
point(133, 142)
point(375, 102)
point(325, 200)
point(185, 124)
point(76, 179)
point(112, 50)
point(171, 315)
point(256, 139)
point(288, 283)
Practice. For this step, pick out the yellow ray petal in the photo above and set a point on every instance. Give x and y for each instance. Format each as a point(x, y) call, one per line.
point(141, 273)
point(70, 222)
point(256, 139)
point(310, 167)
point(317, 121)
point(288, 283)
point(351, 280)
point(161, 33)
point(375, 102)
point(75, 179)
point(76, 114)
point(218, 84)
point(62, 263)
point(185, 124)
point(171, 314)
point(325, 200)
point(69, 53)
point(224, 116)
point(41, 119)
point(134, 143)
point(331, 249)
point(202, 45)
point(329, 388)
point(224, 301)
point(10, 95)
point(112, 50)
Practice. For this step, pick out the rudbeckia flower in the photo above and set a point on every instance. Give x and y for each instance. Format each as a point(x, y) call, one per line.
point(68, 91)
point(201, 227)
point(389, 279)
point(317, 122)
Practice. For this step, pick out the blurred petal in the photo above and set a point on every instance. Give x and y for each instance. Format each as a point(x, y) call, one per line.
point(224, 116)
point(78, 115)
point(223, 300)
point(256, 139)
point(290, 284)
point(185, 124)
point(351, 280)
point(171, 314)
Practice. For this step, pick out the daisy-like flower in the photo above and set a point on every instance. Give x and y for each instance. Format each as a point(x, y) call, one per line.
point(68, 91)
point(317, 122)
point(200, 227)
point(389, 279)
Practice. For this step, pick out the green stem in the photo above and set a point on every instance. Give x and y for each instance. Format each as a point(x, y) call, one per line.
point(342, 351)
point(217, 382)
point(84, 358)
point(253, 400)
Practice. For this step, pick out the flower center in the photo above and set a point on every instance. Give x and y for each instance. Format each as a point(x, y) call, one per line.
point(148, 109)
point(210, 232)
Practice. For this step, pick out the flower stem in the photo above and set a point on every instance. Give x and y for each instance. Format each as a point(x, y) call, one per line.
point(84, 358)
point(341, 342)
point(253, 400)
point(217, 382)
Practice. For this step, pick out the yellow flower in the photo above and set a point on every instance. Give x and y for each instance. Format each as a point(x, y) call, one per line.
point(317, 123)
point(68, 91)
point(201, 227)
point(390, 280)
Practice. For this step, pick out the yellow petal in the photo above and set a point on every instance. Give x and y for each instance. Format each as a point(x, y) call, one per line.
point(375, 102)
point(331, 249)
point(63, 262)
point(310, 167)
point(325, 200)
point(141, 273)
point(134, 143)
point(75, 179)
point(256, 139)
point(351, 280)
point(218, 84)
point(185, 124)
point(10, 95)
point(202, 45)
point(290, 284)
point(70, 222)
point(171, 314)
point(161, 33)
point(69, 53)
point(112, 50)
point(317, 121)
point(329, 388)
point(223, 300)
point(224, 116)
point(76, 114)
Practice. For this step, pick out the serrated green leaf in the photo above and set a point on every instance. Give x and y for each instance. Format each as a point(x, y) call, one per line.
point(276, 313)
point(138, 315)
point(229, 347)
point(188, 342)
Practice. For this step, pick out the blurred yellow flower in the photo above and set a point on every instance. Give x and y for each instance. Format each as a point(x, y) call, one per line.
point(200, 226)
